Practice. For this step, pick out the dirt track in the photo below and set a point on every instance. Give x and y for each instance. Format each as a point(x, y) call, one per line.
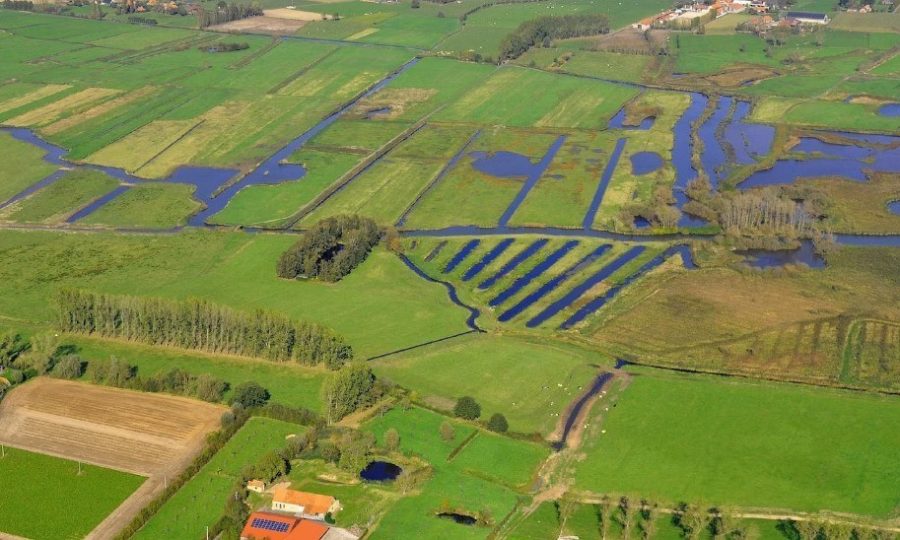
point(150, 435)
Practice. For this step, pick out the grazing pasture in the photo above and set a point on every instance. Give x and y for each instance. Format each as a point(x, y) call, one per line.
point(47, 484)
point(800, 439)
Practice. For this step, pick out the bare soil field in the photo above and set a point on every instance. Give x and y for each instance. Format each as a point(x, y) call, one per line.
point(145, 434)
point(262, 25)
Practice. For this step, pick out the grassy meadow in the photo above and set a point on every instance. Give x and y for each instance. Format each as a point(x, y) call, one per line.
point(201, 501)
point(736, 443)
point(88, 497)
point(379, 308)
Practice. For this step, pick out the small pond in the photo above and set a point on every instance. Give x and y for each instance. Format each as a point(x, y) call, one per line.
point(380, 471)
point(462, 519)
point(890, 109)
point(763, 258)
point(645, 162)
point(640, 222)
point(502, 164)
point(894, 207)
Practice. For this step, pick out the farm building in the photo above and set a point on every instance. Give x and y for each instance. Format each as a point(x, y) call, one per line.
point(268, 526)
point(256, 486)
point(809, 17)
point(303, 503)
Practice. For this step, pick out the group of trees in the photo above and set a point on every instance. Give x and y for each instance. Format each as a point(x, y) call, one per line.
point(351, 388)
point(201, 325)
point(225, 47)
point(764, 212)
point(468, 409)
point(18, 5)
point(331, 249)
point(226, 13)
point(544, 29)
point(137, 19)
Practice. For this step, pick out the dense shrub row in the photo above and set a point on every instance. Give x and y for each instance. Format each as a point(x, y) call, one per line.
point(19, 5)
point(142, 20)
point(225, 47)
point(114, 372)
point(202, 325)
point(231, 12)
point(331, 249)
point(544, 29)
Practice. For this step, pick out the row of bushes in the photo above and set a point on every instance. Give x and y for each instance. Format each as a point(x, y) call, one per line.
point(225, 47)
point(142, 20)
point(201, 325)
point(331, 249)
point(19, 5)
point(544, 29)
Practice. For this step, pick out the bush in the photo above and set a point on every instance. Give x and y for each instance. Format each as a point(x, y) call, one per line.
point(15, 376)
point(69, 366)
point(331, 249)
point(498, 423)
point(209, 388)
point(250, 394)
point(467, 408)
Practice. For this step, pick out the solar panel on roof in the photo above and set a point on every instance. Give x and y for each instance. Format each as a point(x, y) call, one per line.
point(270, 525)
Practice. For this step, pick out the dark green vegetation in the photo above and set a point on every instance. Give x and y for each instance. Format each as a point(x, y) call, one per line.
point(202, 325)
point(88, 493)
point(331, 249)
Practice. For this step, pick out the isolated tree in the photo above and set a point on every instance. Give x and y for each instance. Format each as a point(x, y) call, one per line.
point(391, 439)
point(271, 466)
point(350, 388)
point(692, 521)
point(467, 408)
point(648, 520)
point(807, 529)
point(498, 423)
point(605, 516)
point(69, 366)
point(447, 431)
point(250, 394)
point(626, 516)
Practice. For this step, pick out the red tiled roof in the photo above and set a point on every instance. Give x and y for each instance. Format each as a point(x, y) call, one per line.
point(294, 528)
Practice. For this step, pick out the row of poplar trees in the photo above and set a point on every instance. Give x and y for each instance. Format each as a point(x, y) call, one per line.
point(202, 325)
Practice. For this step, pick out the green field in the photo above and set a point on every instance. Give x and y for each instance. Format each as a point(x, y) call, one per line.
point(21, 166)
point(147, 206)
point(747, 444)
point(200, 502)
point(490, 369)
point(87, 496)
point(399, 308)
point(59, 200)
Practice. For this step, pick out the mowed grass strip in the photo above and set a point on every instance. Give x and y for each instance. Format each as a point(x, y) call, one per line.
point(288, 384)
point(65, 499)
point(201, 501)
point(735, 443)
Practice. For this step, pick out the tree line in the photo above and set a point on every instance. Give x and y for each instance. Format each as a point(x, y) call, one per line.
point(201, 325)
point(544, 29)
point(331, 249)
point(18, 5)
point(226, 13)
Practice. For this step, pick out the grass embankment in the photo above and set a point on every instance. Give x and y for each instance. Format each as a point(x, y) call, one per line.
point(736, 443)
point(61, 501)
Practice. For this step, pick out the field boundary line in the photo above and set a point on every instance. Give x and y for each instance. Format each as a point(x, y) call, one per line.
point(462, 446)
point(420, 345)
point(352, 174)
point(170, 145)
point(300, 72)
point(451, 164)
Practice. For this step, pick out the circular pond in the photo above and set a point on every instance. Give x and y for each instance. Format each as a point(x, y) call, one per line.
point(894, 207)
point(380, 471)
point(890, 109)
point(645, 162)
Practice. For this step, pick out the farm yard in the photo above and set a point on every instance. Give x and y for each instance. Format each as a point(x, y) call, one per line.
point(504, 270)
